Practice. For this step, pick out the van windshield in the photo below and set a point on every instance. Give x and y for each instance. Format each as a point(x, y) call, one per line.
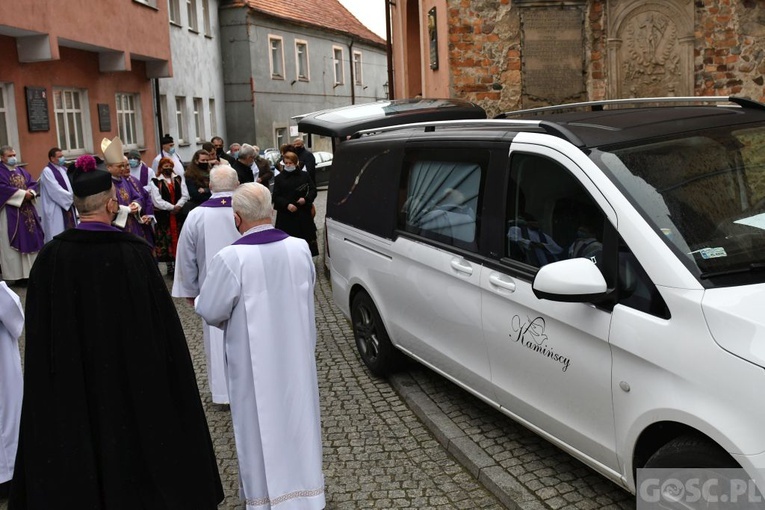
point(704, 192)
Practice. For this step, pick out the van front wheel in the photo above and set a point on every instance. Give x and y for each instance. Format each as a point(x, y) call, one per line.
point(372, 341)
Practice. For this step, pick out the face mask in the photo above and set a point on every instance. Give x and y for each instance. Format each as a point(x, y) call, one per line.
point(219, 151)
point(203, 166)
point(289, 168)
point(171, 151)
point(62, 161)
point(235, 154)
point(12, 161)
point(133, 163)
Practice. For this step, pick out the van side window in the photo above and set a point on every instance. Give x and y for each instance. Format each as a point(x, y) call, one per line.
point(440, 198)
point(636, 290)
point(550, 216)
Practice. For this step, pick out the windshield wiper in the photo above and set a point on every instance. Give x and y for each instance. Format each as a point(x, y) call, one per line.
point(754, 267)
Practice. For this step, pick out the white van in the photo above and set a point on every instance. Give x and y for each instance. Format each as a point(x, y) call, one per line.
point(595, 272)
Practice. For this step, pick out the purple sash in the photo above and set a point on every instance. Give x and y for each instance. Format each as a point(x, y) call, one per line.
point(61, 180)
point(24, 230)
point(144, 180)
point(217, 202)
point(96, 226)
point(271, 235)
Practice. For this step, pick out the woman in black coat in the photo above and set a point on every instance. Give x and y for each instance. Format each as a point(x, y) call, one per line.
point(294, 193)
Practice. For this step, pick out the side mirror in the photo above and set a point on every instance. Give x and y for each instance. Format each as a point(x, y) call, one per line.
point(573, 281)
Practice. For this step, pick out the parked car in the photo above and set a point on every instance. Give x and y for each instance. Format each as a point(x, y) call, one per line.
point(323, 167)
point(594, 272)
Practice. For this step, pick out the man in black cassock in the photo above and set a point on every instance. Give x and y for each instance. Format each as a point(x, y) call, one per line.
point(111, 416)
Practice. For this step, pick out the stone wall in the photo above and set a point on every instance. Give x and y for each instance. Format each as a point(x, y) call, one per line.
point(630, 48)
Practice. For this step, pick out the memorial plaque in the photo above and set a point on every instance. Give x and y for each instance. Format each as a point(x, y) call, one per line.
point(553, 54)
point(37, 108)
point(104, 119)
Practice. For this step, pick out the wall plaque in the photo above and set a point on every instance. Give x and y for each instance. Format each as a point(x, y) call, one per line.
point(37, 108)
point(104, 119)
point(553, 54)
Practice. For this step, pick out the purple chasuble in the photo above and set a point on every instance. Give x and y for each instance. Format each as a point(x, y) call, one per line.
point(24, 229)
point(144, 179)
point(96, 226)
point(217, 202)
point(127, 194)
point(61, 180)
point(271, 235)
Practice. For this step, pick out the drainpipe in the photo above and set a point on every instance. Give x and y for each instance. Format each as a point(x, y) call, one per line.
point(158, 114)
point(353, 78)
point(389, 47)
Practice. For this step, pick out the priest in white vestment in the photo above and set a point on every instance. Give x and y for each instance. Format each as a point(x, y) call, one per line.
point(207, 229)
point(260, 291)
point(11, 325)
point(56, 198)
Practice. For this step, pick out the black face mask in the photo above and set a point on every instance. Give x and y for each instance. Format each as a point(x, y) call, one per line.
point(203, 166)
point(299, 149)
point(219, 151)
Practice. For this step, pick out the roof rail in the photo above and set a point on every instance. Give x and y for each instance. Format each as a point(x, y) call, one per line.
point(549, 127)
point(599, 105)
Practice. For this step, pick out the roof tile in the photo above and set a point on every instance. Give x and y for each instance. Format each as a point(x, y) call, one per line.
point(329, 14)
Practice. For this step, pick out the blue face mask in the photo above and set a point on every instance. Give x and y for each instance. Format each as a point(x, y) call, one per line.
point(289, 168)
point(235, 154)
point(133, 163)
point(62, 161)
point(171, 151)
point(12, 161)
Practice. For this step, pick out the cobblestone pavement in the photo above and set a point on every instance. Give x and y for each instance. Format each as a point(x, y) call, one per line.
point(414, 441)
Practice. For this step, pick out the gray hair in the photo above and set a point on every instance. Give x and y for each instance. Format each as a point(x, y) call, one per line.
point(246, 151)
point(223, 178)
point(4, 149)
point(92, 203)
point(252, 201)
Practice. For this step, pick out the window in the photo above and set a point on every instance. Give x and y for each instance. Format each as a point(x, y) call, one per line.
point(280, 136)
point(174, 11)
point(277, 57)
point(213, 120)
point(151, 3)
point(357, 68)
point(550, 216)
point(337, 64)
point(180, 118)
point(198, 125)
point(191, 10)
point(4, 118)
point(440, 199)
point(129, 119)
point(206, 17)
point(164, 114)
point(301, 60)
point(68, 105)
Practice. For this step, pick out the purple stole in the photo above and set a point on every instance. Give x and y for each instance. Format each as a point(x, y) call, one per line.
point(61, 180)
point(24, 230)
point(270, 235)
point(144, 179)
point(217, 202)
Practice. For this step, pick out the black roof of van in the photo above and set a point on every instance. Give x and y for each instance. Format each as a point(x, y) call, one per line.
point(345, 121)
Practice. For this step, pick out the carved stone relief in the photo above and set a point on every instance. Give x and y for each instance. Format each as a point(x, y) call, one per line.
point(650, 48)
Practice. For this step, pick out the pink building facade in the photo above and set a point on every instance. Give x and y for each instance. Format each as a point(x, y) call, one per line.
point(76, 71)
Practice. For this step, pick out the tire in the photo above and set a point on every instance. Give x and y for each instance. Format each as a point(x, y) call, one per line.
point(681, 456)
point(691, 452)
point(372, 341)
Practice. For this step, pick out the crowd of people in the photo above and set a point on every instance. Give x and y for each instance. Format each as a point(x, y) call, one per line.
point(108, 414)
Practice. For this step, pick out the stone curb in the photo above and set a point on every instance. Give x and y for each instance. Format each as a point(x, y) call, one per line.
point(467, 452)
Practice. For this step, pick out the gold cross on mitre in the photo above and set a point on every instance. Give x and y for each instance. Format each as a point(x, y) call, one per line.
point(223, 201)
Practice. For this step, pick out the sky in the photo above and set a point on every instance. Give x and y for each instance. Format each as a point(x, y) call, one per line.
point(369, 12)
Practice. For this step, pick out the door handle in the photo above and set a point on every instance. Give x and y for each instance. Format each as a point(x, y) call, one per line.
point(462, 266)
point(502, 281)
